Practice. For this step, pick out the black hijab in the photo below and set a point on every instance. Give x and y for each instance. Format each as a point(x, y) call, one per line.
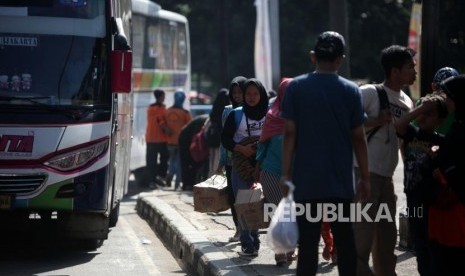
point(259, 111)
point(219, 103)
point(454, 88)
point(237, 81)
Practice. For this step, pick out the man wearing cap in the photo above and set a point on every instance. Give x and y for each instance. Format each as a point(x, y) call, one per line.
point(324, 118)
point(441, 75)
point(379, 236)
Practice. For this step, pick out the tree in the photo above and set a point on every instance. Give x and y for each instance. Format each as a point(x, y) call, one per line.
point(222, 36)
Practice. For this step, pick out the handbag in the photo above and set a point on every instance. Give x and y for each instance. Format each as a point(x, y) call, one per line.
point(245, 166)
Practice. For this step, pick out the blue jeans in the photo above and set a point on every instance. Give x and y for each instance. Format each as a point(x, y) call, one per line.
point(249, 239)
point(174, 164)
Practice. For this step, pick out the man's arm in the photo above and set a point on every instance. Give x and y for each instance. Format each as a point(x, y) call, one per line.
point(288, 152)
point(402, 124)
point(363, 187)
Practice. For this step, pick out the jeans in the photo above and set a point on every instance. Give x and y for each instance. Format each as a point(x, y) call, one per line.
point(174, 165)
point(249, 239)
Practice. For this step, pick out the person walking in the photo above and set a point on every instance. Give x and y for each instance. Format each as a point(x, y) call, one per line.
point(236, 96)
point(156, 138)
point(380, 237)
point(176, 118)
point(249, 124)
point(269, 158)
point(323, 129)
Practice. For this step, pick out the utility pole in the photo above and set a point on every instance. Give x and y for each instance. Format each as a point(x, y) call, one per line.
point(338, 22)
point(275, 48)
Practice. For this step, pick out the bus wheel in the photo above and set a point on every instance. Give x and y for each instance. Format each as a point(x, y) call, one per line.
point(90, 244)
point(114, 215)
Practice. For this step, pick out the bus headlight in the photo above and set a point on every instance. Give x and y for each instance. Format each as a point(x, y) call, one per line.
point(77, 158)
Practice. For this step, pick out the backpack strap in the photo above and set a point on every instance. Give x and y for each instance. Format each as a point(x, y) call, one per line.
point(383, 104)
point(238, 112)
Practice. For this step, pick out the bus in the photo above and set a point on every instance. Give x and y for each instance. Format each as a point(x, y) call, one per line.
point(442, 39)
point(161, 59)
point(65, 114)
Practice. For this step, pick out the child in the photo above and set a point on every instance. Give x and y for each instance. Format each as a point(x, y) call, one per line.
point(418, 151)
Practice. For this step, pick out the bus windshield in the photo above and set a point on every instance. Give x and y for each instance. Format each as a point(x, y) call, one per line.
point(53, 53)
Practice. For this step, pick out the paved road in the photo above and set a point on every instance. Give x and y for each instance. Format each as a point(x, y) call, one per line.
point(131, 249)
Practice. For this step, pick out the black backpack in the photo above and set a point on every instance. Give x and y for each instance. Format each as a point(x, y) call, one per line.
point(383, 103)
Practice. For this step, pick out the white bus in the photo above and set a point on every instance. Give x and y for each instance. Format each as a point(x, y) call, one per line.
point(65, 114)
point(161, 59)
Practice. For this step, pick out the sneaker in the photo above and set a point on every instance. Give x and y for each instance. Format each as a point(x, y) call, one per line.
point(334, 258)
point(248, 252)
point(152, 185)
point(291, 256)
point(236, 237)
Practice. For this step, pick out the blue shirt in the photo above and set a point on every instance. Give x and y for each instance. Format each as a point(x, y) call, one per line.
point(325, 109)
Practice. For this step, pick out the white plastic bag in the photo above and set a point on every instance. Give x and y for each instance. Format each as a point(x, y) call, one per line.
point(283, 233)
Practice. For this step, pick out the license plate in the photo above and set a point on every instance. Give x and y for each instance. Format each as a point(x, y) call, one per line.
point(5, 202)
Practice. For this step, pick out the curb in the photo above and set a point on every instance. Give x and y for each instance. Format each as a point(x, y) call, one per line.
point(190, 246)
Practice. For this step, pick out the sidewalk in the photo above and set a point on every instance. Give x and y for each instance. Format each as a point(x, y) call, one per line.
point(200, 240)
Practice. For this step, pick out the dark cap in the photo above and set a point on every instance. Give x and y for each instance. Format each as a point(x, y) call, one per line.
point(454, 87)
point(329, 46)
point(444, 73)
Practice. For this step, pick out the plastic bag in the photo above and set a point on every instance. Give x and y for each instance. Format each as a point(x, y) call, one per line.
point(283, 233)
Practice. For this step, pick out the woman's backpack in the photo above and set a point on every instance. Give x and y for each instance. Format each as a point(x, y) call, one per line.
point(198, 148)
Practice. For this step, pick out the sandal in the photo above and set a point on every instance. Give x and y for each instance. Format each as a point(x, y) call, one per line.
point(281, 259)
point(291, 256)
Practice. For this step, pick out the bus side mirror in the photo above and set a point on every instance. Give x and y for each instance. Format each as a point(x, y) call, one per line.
point(121, 59)
point(121, 71)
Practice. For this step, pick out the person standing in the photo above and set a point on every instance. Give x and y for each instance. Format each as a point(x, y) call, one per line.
point(236, 96)
point(446, 216)
point(380, 237)
point(323, 128)
point(214, 128)
point(156, 138)
point(418, 143)
point(269, 157)
point(441, 75)
point(242, 124)
point(176, 118)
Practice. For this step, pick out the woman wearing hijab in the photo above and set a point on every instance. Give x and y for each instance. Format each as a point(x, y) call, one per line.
point(248, 122)
point(446, 216)
point(176, 118)
point(269, 157)
point(236, 96)
point(214, 128)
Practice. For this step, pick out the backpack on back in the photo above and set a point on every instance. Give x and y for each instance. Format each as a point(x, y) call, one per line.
point(198, 147)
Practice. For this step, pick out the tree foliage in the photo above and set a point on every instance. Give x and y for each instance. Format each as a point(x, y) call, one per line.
point(222, 35)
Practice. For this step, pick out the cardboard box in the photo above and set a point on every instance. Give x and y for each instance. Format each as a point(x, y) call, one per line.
point(249, 209)
point(211, 195)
